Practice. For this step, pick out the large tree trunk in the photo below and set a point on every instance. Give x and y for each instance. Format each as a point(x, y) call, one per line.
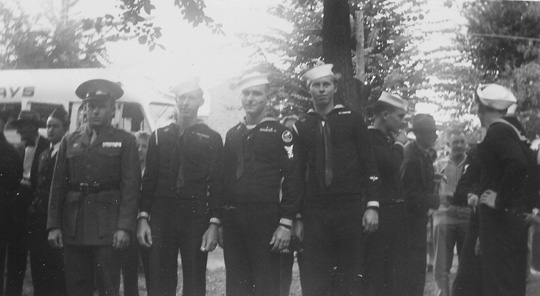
point(337, 47)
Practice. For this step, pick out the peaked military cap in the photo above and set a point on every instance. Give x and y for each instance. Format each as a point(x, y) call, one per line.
point(96, 89)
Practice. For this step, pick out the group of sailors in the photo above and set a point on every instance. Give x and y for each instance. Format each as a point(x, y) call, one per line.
point(351, 201)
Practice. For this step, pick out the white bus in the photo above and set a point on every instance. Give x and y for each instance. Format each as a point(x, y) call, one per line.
point(140, 108)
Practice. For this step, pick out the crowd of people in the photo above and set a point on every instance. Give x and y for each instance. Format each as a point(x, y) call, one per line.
point(350, 202)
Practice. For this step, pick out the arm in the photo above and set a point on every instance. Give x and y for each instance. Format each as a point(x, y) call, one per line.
point(149, 181)
point(59, 190)
point(130, 184)
point(468, 181)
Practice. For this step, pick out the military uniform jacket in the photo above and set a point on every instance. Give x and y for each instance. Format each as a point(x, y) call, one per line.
point(417, 176)
point(42, 145)
point(469, 179)
point(11, 170)
point(258, 163)
point(389, 157)
point(354, 168)
point(185, 167)
point(113, 162)
point(45, 173)
point(506, 165)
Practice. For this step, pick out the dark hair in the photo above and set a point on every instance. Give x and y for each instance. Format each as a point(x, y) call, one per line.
point(379, 107)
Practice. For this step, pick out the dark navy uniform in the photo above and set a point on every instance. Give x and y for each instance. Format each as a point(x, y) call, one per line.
point(180, 190)
point(257, 163)
point(340, 172)
point(387, 248)
point(94, 193)
point(506, 162)
point(417, 175)
point(469, 277)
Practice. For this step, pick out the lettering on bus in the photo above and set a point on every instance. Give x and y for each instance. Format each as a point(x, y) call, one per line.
point(12, 92)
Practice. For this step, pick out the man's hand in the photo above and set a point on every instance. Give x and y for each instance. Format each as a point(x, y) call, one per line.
point(298, 229)
point(370, 221)
point(120, 239)
point(472, 200)
point(488, 198)
point(401, 137)
point(280, 239)
point(477, 249)
point(144, 234)
point(55, 238)
point(210, 238)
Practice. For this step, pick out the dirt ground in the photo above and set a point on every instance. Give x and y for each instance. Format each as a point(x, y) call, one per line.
point(215, 283)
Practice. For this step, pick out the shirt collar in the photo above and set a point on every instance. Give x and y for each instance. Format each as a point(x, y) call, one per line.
point(338, 106)
point(243, 121)
point(55, 148)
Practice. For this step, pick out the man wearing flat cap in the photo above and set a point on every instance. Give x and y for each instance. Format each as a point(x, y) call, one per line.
point(386, 249)
point(11, 166)
point(259, 162)
point(340, 175)
point(27, 124)
point(93, 200)
point(417, 176)
point(179, 207)
point(506, 164)
point(47, 263)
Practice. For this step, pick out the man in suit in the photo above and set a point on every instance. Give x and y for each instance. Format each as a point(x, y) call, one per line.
point(93, 201)
point(11, 168)
point(47, 264)
point(417, 175)
point(27, 125)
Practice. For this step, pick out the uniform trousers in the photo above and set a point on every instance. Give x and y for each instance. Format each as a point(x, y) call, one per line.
point(177, 225)
point(450, 225)
point(130, 268)
point(417, 219)
point(333, 249)
point(468, 280)
point(251, 267)
point(87, 266)
point(386, 251)
point(503, 243)
point(46, 263)
point(287, 262)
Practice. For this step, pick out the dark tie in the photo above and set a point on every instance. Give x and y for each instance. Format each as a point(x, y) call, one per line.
point(324, 153)
point(240, 151)
point(50, 152)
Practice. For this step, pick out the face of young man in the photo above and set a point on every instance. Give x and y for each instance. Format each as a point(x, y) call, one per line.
point(100, 112)
point(254, 100)
point(426, 137)
point(142, 146)
point(394, 120)
point(322, 91)
point(55, 130)
point(188, 104)
point(457, 144)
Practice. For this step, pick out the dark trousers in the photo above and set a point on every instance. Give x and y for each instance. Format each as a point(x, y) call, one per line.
point(468, 280)
point(177, 224)
point(17, 250)
point(87, 266)
point(251, 267)
point(503, 243)
point(130, 268)
point(417, 220)
point(46, 263)
point(287, 262)
point(387, 251)
point(333, 250)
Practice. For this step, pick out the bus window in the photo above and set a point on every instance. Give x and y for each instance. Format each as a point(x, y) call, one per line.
point(162, 114)
point(132, 118)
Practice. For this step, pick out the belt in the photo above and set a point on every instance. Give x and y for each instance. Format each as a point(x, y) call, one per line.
point(94, 187)
point(392, 202)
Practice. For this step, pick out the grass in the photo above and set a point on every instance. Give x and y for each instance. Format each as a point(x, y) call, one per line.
point(215, 280)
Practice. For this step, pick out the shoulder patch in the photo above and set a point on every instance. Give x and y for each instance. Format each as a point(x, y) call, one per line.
point(287, 136)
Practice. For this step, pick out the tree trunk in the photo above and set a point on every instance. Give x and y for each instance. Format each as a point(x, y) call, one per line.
point(337, 47)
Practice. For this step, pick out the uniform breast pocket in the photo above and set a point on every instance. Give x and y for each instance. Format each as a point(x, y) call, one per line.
point(110, 157)
point(74, 152)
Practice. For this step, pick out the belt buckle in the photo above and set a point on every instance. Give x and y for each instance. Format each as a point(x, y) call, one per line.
point(84, 188)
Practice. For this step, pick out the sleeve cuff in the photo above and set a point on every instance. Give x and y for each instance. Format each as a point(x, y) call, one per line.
point(399, 144)
point(285, 221)
point(373, 204)
point(215, 220)
point(143, 215)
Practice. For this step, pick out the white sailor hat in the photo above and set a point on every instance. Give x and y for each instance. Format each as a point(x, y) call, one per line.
point(252, 79)
point(99, 89)
point(394, 100)
point(318, 72)
point(187, 86)
point(495, 96)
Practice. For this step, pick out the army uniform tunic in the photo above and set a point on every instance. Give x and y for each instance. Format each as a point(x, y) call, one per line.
point(94, 193)
point(258, 162)
point(340, 176)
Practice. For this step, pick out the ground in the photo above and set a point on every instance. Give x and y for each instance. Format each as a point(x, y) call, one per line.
point(215, 283)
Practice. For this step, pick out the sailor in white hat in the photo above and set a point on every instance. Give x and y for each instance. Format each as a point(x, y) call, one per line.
point(504, 157)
